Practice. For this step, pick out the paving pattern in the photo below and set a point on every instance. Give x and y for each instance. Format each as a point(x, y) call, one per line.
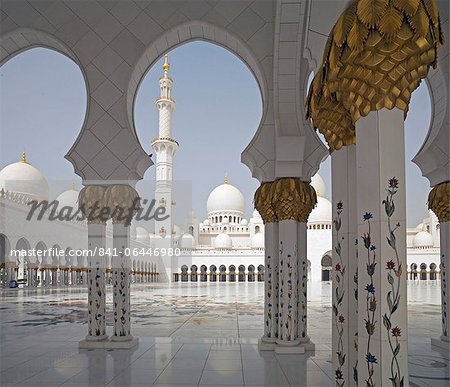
point(190, 334)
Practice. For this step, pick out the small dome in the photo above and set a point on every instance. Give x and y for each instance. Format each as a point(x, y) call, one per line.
point(187, 241)
point(225, 197)
point(420, 227)
point(142, 234)
point(68, 198)
point(322, 212)
point(244, 222)
point(223, 241)
point(258, 241)
point(206, 222)
point(256, 214)
point(22, 177)
point(319, 185)
point(133, 232)
point(423, 239)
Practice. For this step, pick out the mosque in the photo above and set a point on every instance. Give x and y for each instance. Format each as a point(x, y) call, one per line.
point(224, 247)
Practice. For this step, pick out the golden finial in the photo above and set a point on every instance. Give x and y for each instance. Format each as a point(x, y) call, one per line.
point(226, 178)
point(24, 157)
point(166, 65)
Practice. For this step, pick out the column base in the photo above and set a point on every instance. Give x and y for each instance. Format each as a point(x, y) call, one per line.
point(266, 344)
point(128, 343)
point(443, 343)
point(295, 347)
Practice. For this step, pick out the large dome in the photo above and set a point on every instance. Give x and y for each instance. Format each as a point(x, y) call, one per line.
point(423, 239)
point(68, 198)
point(319, 185)
point(225, 197)
point(21, 177)
point(258, 241)
point(223, 241)
point(322, 212)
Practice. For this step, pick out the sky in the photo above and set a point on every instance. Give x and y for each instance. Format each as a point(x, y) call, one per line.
point(218, 110)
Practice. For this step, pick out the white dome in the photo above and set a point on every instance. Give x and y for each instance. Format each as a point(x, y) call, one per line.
point(423, 239)
point(319, 185)
point(68, 198)
point(21, 177)
point(420, 226)
point(322, 212)
point(223, 241)
point(225, 197)
point(206, 222)
point(187, 241)
point(244, 222)
point(142, 234)
point(256, 214)
point(258, 241)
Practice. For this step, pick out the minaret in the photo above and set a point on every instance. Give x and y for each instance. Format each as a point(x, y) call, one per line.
point(165, 148)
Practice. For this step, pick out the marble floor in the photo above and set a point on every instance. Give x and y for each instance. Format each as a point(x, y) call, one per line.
point(190, 334)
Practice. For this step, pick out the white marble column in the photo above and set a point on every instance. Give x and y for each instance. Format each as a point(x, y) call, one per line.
point(381, 205)
point(270, 286)
point(121, 199)
point(439, 202)
point(345, 268)
point(302, 287)
point(96, 285)
point(121, 267)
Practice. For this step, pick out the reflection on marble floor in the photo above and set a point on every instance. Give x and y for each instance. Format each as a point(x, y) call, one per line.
point(189, 335)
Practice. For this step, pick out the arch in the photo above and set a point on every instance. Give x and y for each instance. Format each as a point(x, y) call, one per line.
point(251, 273)
point(241, 274)
point(433, 275)
point(203, 275)
point(327, 263)
point(42, 258)
point(429, 158)
point(222, 273)
point(5, 249)
point(260, 273)
point(24, 39)
point(232, 270)
point(194, 273)
point(213, 273)
point(423, 271)
point(185, 33)
point(184, 273)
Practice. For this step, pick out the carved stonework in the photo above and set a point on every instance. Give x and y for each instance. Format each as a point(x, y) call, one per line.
point(439, 201)
point(376, 56)
point(285, 199)
point(121, 199)
point(263, 202)
point(293, 199)
point(92, 200)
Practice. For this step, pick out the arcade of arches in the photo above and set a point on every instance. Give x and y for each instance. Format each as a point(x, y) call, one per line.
point(366, 67)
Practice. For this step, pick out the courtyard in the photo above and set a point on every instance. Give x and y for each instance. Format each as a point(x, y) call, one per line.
point(189, 334)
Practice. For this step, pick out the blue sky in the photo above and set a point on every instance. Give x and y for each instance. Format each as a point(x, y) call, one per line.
point(43, 103)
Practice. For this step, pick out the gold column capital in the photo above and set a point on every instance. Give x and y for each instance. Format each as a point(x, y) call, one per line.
point(92, 200)
point(123, 202)
point(376, 55)
point(285, 199)
point(439, 201)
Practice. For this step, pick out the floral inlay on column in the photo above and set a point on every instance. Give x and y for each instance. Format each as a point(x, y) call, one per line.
point(371, 301)
point(355, 294)
point(339, 319)
point(394, 273)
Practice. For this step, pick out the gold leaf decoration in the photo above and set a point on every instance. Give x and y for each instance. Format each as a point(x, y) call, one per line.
point(371, 11)
point(439, 201)
point(409, 7)
point(376, 63)
point(390, 22)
